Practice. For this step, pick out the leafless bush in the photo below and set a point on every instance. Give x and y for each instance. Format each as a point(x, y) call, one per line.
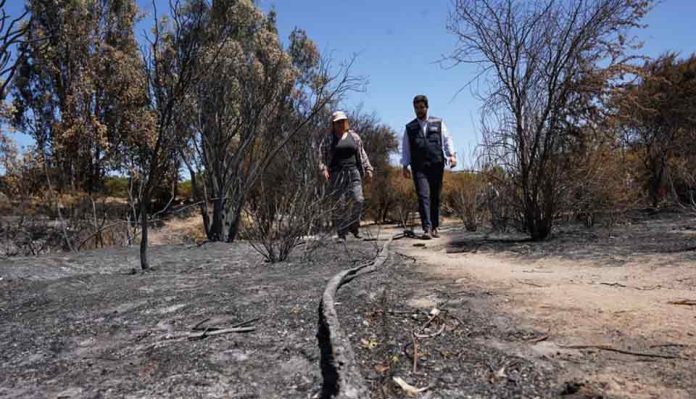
point(289, 203)
point(281, 223)
point(33, 228)
point(548, 65)
point(499, 201)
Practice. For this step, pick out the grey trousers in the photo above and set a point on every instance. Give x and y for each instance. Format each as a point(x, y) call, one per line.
point(347, 195)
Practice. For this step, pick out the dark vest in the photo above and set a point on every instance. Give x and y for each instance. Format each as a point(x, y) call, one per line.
point(426, 150)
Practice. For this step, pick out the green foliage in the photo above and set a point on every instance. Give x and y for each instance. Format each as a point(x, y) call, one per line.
point(185, 190)
point(116, 186)
point(79, 89)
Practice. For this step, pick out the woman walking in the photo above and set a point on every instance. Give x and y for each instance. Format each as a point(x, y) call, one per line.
point(344, 163)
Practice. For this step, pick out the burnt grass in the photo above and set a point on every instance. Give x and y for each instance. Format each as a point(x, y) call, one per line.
point(79, 325)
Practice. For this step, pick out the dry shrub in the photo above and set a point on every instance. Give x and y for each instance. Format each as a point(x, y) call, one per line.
point(184, 230)
point(498, 199)
point(405, 199)
point(463, 195)
point(603, 186)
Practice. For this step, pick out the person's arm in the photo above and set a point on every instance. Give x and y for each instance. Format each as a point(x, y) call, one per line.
point(366, 165)
point(448, 146)
point(405, 150)
point(323, 155)
point(405, 154)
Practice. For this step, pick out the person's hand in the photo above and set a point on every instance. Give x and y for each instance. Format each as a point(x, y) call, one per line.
point(368, 175)
point(453, 162)
point(406, 173)
point(327, 176)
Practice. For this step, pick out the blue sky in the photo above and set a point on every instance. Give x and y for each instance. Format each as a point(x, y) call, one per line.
point(399, 42)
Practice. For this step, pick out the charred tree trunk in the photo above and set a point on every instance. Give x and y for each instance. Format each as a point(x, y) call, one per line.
point(144, 265)
point(216, 232)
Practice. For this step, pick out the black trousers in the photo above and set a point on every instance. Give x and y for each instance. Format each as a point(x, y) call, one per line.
point(428, 182)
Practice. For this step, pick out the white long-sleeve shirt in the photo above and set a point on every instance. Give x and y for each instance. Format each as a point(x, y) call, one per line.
point(447, 143)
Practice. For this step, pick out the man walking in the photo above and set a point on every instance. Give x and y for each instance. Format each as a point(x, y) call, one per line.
point(426, 147)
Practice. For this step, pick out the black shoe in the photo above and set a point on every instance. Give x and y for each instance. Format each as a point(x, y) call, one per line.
point(341, 238)
point(426, 236)
point(434, 233)
point(357, 235)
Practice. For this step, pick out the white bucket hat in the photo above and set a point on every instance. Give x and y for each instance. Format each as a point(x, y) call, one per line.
point(338, 116)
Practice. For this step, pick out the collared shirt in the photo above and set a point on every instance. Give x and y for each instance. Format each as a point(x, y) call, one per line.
point(447, 143)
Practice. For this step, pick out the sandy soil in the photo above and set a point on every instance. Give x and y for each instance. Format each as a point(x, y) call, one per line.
point(586, 292)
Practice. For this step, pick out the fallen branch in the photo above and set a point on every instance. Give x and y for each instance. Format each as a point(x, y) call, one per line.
point(408, 388)
point(435, 334)
point(199, 324)
point(538, 339)
point(685, 302)
point(415, 352)
point(537, 271)
point(245, 323)
point(450, 294)
point(669, 346)
point(207, 333)
point(433, 315)
point(534, 284)
point(635, 288)
point(625, 352)
point(654, 287)
point(339, 368)
point(614, 285)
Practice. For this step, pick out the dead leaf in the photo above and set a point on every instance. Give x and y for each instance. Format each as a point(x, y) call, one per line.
point(408, 388)
point(501, 373)
point(382, 368)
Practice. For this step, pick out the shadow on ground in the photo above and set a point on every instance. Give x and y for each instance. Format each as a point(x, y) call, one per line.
point(668, 233)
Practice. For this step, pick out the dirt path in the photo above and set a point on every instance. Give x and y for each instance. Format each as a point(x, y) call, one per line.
point(583, 296)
